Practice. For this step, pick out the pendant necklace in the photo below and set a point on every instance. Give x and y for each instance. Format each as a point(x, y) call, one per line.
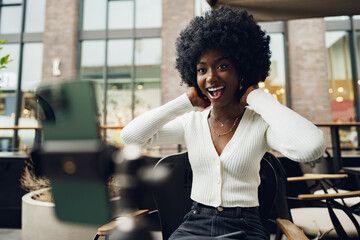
point(221, 124)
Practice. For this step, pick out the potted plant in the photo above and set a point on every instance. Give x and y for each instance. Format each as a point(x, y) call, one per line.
point(39, 220)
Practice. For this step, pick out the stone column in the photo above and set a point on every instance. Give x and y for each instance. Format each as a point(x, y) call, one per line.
point(175, 18)
point(60, 40)
point(308, 70)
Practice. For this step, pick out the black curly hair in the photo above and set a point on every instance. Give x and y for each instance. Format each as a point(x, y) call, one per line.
point(233, 32)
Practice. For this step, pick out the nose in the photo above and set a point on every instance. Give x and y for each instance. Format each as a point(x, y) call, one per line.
point(212, 75)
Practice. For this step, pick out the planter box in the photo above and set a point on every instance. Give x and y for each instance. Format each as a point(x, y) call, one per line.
point(39, 222)
point(11, 168)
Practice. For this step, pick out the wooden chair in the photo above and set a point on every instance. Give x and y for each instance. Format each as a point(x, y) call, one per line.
point(172, 197)
point(327, 211)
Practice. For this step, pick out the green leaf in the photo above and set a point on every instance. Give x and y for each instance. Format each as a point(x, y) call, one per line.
point(7, 58)
point(4, 60)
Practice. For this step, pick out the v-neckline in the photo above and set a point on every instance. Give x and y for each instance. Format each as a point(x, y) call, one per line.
point(228, 144)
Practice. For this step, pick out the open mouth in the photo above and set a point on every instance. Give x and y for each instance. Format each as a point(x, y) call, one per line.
point(216, 92)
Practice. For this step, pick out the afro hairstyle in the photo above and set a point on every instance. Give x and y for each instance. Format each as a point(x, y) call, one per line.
point(234, 33)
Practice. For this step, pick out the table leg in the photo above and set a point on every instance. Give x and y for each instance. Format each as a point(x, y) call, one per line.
point(335, 140)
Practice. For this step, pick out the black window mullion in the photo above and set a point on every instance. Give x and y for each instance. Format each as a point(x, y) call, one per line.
point(133, 72)
point(18, 92)
point(105, 68)
point(354, 70)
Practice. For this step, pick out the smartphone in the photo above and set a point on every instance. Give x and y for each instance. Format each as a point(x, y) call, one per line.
point(72, 154)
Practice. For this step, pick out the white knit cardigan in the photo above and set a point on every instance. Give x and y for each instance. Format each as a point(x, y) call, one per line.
point(231, 179)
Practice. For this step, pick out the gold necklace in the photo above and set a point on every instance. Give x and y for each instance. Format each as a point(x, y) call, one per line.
point(221, 124)
point(223, 134)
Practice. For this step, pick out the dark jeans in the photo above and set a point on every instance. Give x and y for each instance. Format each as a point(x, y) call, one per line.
point(204, 222)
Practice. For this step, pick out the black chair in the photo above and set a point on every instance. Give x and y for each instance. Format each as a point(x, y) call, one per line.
point(172, 197)
point(319, 206)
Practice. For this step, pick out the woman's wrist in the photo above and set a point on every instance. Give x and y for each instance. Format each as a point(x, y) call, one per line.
point(190, 95)
point(243, 99)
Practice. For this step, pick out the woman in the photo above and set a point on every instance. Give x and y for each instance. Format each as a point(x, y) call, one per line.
point(222, 57)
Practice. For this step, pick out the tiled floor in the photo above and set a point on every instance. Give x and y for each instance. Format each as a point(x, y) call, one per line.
point(10, 234)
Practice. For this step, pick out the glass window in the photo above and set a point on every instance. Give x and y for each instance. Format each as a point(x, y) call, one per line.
point(32, 66)
point(11, 1)
point(147, 61)
point(94, 15)
point(27, 119)
point(119, 93)
point(120, 53)
point(148, 51)
point(92, 59)
point(148, 13)
point(7, 104)
point(275, 82)
point(337, 18)
point(9, 75)
point(339, 66)
point(35, 14)
point(7, 119)
point(92, 64)
point(121, 14)
point(10, 20)
point(31, 78)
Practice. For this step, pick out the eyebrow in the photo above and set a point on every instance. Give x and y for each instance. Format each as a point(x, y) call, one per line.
point(216, 61)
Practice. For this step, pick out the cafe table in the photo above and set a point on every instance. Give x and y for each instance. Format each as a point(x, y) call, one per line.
point(335, 139)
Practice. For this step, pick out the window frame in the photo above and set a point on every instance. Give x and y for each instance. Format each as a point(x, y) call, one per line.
point(20, 38)
point(112, 34)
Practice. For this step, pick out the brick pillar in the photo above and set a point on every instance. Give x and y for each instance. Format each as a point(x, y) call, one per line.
point(308, 70)
point(60, 39)
point(175, 18)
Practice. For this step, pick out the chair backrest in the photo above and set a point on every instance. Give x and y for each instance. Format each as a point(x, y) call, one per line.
point(323, 164)
point(274, 169)
point(172, 197)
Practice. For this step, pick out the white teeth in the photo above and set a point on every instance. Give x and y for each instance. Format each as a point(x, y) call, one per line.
point(215, 88)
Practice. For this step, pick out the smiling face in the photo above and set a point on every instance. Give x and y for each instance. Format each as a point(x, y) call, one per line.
point(217, 78)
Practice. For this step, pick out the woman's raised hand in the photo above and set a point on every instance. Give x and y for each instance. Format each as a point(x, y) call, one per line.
point(196, 100)
point(243, 101)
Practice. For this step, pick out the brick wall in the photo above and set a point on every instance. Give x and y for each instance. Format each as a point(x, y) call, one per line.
point(308, 70)
point(175, 18)
point(60, 38)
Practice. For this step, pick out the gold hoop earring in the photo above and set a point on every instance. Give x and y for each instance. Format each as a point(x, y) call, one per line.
point(240, 84)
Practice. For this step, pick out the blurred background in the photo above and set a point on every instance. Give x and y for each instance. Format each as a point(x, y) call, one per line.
point(126, 47)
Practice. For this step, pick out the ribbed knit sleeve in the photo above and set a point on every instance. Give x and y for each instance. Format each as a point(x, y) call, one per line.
point(288, 132)
point(161, 125)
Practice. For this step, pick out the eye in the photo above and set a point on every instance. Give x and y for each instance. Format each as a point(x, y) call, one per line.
point(223, 66)
point(201, 70)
